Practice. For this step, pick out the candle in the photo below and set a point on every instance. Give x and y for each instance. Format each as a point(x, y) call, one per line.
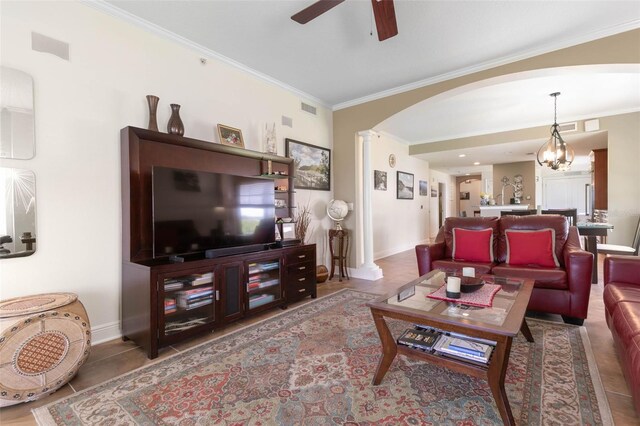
point(453, 287)
point(468, 272)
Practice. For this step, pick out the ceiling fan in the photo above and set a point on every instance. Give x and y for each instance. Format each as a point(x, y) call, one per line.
point(383, 11)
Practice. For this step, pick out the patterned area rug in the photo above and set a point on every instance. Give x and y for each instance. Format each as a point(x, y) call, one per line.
point(313, 365)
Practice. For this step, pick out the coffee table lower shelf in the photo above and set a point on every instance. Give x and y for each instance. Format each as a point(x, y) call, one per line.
point(493, 372)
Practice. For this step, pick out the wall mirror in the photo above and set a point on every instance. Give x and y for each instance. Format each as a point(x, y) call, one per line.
point(17, 129)
point(18, 213)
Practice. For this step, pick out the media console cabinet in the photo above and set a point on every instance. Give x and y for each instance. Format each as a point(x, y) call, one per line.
point(163, 302)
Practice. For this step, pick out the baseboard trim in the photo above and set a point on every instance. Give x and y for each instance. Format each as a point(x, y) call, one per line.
point(370, 272)
point(396, 250)
point(104, 333)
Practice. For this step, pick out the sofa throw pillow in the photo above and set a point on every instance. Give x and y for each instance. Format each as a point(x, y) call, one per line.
point(531, 247)
point(473, 245)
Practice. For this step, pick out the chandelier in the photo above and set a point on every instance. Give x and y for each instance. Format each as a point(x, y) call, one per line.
point(557, 155)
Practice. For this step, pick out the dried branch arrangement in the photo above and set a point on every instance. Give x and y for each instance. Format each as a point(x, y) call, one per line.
point(302, 220)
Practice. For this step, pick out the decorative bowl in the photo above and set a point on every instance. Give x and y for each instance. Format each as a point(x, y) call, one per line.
point(470, 284)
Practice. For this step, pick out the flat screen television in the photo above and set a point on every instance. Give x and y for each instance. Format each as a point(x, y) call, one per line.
point(211, 213)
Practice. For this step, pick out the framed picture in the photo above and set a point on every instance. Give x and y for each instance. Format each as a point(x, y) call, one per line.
point(424, 187)
point(379, 180)
point(405, 186)
point(312, 165)
point(230, 136)
point(434, 192)
point(465, 195)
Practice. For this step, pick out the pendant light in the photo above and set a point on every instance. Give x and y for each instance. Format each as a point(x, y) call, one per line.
point(557, 155)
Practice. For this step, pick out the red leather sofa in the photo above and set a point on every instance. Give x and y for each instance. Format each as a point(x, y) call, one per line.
point(622, 312)
point(560, 289)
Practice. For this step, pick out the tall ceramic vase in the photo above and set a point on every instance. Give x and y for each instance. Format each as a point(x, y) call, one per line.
point(175, 126)
point(153, 107)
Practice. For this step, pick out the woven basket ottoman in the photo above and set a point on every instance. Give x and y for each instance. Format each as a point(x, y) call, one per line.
point(44, 339)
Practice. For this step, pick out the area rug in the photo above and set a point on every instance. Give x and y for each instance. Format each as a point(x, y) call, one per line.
point(313, 365)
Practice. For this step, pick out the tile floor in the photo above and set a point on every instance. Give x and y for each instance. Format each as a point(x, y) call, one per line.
point(116, 357)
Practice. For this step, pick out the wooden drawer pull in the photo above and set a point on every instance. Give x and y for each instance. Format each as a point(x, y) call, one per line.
point(301, 279)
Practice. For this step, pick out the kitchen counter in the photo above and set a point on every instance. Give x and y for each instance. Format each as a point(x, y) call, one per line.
point(488, 211)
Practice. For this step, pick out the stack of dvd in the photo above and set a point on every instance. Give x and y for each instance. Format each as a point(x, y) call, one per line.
point(191, 299)
point(420, 338)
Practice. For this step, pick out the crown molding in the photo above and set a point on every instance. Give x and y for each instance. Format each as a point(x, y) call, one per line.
point(108, 8)
point(551, 47)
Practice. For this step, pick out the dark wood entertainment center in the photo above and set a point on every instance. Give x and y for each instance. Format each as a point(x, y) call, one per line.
point(163, 302)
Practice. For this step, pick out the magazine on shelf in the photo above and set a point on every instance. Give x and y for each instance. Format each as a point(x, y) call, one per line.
point(419, 338)
point(464, 348)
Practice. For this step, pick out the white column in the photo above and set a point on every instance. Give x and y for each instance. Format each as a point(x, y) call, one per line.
point(369, 270)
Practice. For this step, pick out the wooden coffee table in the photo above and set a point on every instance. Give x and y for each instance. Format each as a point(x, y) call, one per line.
point(500, 323)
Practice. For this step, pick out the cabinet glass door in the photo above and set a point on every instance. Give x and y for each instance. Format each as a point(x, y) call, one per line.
point(188, 301)
point(263, 282)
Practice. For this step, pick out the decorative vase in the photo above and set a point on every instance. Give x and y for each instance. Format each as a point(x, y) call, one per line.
point(175, 126)
point(270, 139)
point(153, 106)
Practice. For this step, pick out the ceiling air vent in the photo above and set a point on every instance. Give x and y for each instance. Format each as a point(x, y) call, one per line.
point(568, 127)
point(308, 108)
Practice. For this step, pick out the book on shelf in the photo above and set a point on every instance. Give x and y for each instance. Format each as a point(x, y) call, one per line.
point(260, 299)
point(255, 268)
point(263, 284)
point(175, 285)
point(184, 302)
point(195, 292)
point(170, 306)
point(200, 279)
point(420, 338)
point(199, 303)
point(258, 277)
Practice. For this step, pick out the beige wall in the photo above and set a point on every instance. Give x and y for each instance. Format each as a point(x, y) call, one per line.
point(620, 48)
point(80, 106)
point(528, 171)
point(624, 175)
point(391, 235)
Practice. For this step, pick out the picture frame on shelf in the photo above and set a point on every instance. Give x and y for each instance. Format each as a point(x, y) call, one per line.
point(312, 165)
point(424, 187)
point(379, 180)
point(404, 186)
point(230, 136)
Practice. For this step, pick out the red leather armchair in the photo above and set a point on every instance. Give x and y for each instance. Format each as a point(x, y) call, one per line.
point(560, 290)
point(622, 312)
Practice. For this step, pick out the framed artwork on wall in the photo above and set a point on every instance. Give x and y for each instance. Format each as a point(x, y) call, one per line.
point(312, 165)
point(379, 180)
point(465, 195)
point(404, 190)
point(434, 192)
point(230, 136)
point(424, 187)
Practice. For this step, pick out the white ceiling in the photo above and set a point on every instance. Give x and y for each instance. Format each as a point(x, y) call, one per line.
point(333, 60)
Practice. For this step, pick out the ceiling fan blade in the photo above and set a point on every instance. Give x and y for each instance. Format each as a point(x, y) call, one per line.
point(315, 10)
point(385, 15)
